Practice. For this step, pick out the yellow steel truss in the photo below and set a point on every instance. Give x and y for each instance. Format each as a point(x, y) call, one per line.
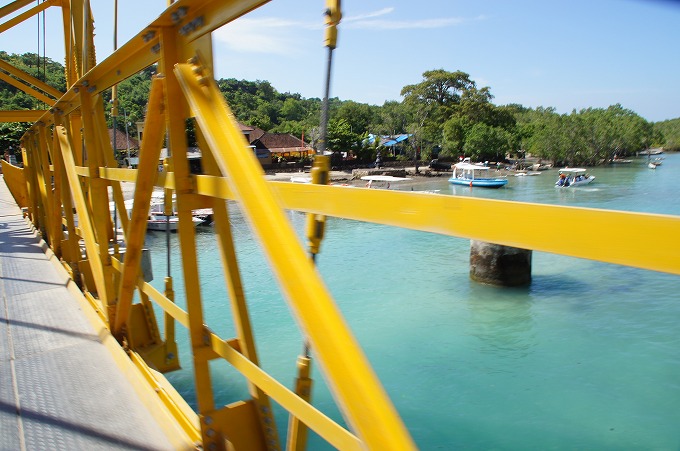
point(70, 173)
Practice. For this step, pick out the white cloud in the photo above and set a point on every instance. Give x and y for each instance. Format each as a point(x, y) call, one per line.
point(368, 21)
point(406, 24)
point(380, 12)
point(262, 35)
point(277, 36)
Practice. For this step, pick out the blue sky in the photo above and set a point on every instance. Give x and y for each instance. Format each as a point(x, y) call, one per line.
point(564, 54)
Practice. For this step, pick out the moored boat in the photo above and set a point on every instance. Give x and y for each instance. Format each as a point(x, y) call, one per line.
point(161, 223)
point(655, 151)
point(573, 177)
point(382, 181)
point(301, 179)
point(468, 174)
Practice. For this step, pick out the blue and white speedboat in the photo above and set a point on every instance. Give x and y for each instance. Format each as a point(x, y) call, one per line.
point(572, 177)
point(468, 174)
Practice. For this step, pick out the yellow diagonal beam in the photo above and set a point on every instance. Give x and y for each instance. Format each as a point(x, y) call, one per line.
point(154, 132)
point(97, 196)
point(84, 219)
point(357, 389)
point(143, 49)
point(72, 248)
point(13, 6)
point(111, 163)
point(45, 180)
point(30, 163)
point(27, 89)
point(237, 297)
point(56, 195)
point(9, 9)
point(177, 113)
point(28, 78)
point(202, 17)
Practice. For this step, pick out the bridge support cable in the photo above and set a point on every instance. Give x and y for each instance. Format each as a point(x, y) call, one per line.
point(297, 431)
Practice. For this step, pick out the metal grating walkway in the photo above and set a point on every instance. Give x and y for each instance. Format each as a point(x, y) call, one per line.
point(60, 387)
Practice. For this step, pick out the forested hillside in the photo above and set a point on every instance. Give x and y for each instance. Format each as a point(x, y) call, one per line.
point(446, 113)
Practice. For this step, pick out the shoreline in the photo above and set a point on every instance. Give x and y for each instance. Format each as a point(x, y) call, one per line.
point(424, 173)
point(352, 177)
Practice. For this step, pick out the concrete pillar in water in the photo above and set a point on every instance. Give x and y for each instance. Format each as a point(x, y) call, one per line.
point(499, 265)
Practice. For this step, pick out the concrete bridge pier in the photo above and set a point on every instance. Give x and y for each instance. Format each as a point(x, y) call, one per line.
point(499, 265)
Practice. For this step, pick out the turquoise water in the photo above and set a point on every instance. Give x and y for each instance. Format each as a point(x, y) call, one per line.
point(586, 357)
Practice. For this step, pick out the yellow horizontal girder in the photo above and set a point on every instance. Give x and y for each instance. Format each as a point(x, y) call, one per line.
point(523, 225)
point(21, 115)
point(517, 224)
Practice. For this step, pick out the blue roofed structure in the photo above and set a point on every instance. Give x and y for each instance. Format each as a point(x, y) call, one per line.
point(389, 140)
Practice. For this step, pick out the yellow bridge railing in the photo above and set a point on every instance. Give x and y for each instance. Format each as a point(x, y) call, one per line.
point(70, 172)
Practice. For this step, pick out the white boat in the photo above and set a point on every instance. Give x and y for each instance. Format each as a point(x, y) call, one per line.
point(469, 174)
point(382, 181)
point(655, 151)
point(161, 223)
point(300, 179)
point(652, 165)
point(573, 177)
point(527, 173)
point(203, 215)
point(157, 220)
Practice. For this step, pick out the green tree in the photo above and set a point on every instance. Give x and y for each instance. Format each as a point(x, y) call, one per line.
point(10, 137)
point(133, 96)
point(341, 138)
point(667, 134)
point(293, 110)
point(487, 143)
point(393, 117)
point(439, 88)
point(359, 116)
point(455, 130)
